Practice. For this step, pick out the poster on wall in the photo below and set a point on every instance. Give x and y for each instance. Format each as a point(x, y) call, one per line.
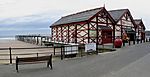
point(90, 47)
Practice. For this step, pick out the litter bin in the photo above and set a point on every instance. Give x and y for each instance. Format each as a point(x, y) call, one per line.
point(118, 43)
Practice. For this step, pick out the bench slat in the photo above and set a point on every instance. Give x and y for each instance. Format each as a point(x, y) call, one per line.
point(33, 60)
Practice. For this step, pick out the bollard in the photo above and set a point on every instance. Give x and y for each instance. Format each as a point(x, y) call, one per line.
point(123, 42)
point(37, 55)
point(134, 42)
point(81, 52)
point(10, 55)
point(129, 42)
point(137, 41)
point(63, 51)
point(54, 50)
point(146, 40)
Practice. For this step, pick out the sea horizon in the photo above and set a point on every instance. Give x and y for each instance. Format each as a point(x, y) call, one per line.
point(7, 38)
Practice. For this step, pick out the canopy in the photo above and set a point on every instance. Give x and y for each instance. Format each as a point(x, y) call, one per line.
point(129, 31)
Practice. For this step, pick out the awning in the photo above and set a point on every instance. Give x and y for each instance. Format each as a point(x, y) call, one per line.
point(104, 27)
point(129, 31)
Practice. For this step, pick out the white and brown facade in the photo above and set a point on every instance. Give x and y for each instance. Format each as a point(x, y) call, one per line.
point(90, 26)
point(140, 30)
point(124, 23)
point(96, 26)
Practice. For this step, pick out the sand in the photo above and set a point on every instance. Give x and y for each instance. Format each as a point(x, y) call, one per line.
point(19, 44)
point(15, 44)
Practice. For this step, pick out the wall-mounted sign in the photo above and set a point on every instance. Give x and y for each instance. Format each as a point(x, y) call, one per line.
point(90, 47)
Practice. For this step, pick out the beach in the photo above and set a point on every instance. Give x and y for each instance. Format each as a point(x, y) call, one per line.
point(19, 52)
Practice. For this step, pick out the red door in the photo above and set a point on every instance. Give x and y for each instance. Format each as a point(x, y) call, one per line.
point(106, 37)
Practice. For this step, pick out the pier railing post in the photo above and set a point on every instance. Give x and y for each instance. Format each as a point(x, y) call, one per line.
point(41, 40)
point(37, 39)
point(10, 55)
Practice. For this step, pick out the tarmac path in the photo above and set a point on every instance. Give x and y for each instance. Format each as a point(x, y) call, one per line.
point(102, 65)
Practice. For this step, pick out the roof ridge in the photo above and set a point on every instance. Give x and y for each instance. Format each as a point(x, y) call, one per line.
point(137, 19)
point(81, 12)
point(117, 10)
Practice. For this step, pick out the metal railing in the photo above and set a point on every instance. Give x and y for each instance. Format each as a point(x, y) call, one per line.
point(10, 53)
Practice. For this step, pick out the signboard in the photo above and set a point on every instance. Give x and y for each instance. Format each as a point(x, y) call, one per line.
point(92, 33)
point(71, 50)
point(90, 47)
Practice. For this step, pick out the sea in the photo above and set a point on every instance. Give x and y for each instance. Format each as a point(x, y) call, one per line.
point(7, 38)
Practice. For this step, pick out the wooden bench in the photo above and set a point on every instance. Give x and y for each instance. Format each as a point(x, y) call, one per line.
point(34, 60)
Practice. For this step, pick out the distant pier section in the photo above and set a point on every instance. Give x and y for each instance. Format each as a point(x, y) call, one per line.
point(33, 39)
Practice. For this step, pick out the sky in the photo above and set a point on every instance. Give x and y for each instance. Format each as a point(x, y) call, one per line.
point(35, 16)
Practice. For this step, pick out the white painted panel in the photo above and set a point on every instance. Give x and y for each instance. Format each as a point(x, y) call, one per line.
point(123, 17)
point(71, 50)
point(117, 33)
point(82, 33)
point(72, 27)
point(109, 21)
point(101, 24)
point(78, 39)
point(85, 26)
point(93, 25)
point(59, 28)
point(127, 23)
point(101, 20)
point(94, 19)
point(86, 40)
point(119, 22)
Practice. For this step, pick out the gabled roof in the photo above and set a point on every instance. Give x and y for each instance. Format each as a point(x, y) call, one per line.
point(77, 17)
point(138, 22)
point(117, 14)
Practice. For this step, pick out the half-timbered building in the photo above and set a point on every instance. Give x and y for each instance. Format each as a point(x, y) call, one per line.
point(124, 23)
point(90, 26)
point(140, 31)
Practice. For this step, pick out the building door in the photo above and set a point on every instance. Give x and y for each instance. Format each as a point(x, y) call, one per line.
point(131, 36)
point(106, 37)
point(142, 35)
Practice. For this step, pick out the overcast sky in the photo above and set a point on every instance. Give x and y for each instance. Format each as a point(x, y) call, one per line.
point(15, 12)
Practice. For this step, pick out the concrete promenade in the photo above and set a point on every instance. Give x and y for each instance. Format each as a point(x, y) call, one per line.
point(130, 61)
